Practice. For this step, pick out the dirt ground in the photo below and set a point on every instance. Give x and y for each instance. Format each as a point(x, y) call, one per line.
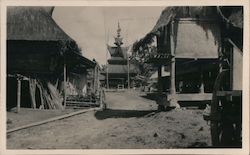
point(28, 115)
point(130, 122)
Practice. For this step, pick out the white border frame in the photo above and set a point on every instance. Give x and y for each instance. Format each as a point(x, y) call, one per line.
point(245, 125)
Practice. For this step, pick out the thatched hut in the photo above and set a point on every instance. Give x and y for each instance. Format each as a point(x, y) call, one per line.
point(190, 41)
point(40, 56)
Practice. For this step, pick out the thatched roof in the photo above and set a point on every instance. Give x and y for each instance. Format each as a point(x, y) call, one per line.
point(33, 23)
point(231, 14)
point(35, 43)
point(170, 13)
point(196, 41)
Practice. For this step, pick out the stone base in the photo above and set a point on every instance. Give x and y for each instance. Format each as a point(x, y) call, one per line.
point(164, 101)
point(173, 103)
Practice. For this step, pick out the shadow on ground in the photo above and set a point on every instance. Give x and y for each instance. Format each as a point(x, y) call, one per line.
point(149, 97)
point(114, 113)
point(198, 104)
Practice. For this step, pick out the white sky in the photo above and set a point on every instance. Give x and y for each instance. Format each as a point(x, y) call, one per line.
point(91, 26)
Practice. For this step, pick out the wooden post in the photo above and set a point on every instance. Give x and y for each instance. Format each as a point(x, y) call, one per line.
point(172, 74)
point(159, 81)
point(101, 102)
point(172, 65)
point(18, 95)
point(107, 77)
point(95, 79)
point(64, 81)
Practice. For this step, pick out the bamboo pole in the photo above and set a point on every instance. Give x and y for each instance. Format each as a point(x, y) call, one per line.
point(18, 95)
point(128, 73)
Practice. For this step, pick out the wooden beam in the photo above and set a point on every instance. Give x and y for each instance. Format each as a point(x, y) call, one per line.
point(192, 97)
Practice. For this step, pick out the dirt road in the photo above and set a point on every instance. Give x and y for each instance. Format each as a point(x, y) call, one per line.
point(130, 122)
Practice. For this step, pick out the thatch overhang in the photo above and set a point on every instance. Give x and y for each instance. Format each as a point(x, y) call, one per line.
point(233, 15)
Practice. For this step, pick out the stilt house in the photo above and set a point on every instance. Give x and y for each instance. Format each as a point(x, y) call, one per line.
point(189, 41)
point(41, 60)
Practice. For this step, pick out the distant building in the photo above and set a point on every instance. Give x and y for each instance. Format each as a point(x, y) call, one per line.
point(116, 71)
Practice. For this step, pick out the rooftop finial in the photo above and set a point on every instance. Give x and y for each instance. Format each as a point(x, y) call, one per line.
point(118, 39)
point(119, 30)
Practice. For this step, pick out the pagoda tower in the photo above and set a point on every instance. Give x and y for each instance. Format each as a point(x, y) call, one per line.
point(117, 65)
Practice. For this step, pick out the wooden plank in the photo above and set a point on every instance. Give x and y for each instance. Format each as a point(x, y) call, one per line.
point(192, 97)
point(51, 119)
point(79, 102)
point(229, 93)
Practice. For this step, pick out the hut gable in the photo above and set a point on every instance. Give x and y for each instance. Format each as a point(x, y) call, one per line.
point(198, 12)
point(230, 14)
point(33, 23)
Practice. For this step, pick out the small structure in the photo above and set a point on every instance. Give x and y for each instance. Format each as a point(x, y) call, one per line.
point(119, 71)
point(41, 59)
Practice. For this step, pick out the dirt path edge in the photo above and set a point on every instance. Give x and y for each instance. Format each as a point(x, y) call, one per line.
point(51, 119)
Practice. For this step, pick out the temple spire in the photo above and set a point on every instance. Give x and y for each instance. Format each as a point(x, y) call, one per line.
point(118, 40)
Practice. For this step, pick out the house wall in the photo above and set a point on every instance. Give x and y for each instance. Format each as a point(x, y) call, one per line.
point(33, 57)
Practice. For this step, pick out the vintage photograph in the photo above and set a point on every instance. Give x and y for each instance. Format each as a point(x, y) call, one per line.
point(124, 77)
